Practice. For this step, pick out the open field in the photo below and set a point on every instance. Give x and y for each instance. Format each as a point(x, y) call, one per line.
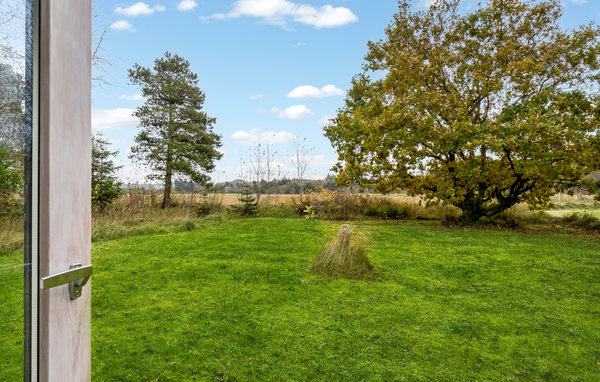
point(232, 299)
point(563, 204)
point(228, 199)
point(567, 205)
point(561, 213)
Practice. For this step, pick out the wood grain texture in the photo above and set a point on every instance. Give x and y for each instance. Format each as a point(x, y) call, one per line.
point(65, 206)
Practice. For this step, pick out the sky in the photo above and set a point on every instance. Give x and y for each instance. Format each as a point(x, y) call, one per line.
point(272, 70)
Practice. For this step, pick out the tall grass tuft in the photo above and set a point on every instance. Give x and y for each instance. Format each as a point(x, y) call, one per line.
point(345, 256)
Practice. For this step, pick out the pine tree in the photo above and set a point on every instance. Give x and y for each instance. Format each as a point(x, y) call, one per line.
point(176, 137)
point(248, 204)
point(105, 184)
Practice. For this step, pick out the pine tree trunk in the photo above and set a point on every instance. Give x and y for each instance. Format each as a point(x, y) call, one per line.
point(167, 192)
point(168, 176)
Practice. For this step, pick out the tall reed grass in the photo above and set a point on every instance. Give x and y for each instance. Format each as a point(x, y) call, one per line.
point(344, 256)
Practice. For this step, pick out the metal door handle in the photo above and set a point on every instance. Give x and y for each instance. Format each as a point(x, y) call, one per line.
point(77, 276)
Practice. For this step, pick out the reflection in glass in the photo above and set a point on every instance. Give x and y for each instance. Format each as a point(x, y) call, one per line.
point(15, 174)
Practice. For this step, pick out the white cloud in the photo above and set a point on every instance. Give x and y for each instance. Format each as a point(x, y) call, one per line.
point(324, 17)
point(122, 25)
point(139, 9)
point(133, 97)
point(278, 12)
point(580, 2)
point(293, 112)
point(113, 119)
point(299, 44)
point(255, 136)
point(257, 96)
point(187, 5)
point(325, 119)
point(308, 91)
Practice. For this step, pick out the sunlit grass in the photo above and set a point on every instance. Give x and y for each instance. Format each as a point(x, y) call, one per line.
point(235, 300)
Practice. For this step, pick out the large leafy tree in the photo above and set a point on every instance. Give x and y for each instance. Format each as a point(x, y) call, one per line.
point(106, 186)
point(480, 110)
point(176, 137)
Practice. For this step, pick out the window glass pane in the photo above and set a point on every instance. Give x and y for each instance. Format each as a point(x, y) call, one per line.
point(16, 93)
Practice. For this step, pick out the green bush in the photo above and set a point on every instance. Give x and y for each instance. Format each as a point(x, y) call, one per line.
point(204, 208)
point(508, 219)
point(106, 187)
point(11, 181)
point(105, 193)
point(248, 205)
point(585, 220)
point(384, 209)
point(340, 205)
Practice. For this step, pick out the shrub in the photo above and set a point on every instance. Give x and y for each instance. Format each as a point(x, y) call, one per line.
point(204, 208)
point(345, 256)
point(507, 218)
point(11, 181)
point(584, 221)
point(105, 193)
point(384, 209)
point(190, 225)
point(248, 205)
point(105, 185)
point(340, 205)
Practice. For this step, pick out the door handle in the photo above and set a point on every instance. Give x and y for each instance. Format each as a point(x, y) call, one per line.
point(77, 276)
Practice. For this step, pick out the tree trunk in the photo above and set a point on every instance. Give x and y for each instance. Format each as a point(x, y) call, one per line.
point(168, 176)
point(167, 192)
point(472, 209)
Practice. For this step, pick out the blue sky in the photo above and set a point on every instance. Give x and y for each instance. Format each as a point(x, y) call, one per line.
point(272, 70)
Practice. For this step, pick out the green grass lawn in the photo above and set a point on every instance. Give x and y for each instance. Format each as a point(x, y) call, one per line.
point(11, 316)
point(233, 300)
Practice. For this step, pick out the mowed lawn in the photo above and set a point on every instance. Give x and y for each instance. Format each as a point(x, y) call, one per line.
point(234, 300)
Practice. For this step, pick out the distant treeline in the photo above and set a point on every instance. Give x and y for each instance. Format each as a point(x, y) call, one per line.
point(276, 186)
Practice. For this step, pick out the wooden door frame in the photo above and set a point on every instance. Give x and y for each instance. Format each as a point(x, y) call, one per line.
point(64, 209)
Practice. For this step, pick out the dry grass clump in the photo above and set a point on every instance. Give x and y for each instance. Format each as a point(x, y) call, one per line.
point(345, 256)
point(11, 232)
